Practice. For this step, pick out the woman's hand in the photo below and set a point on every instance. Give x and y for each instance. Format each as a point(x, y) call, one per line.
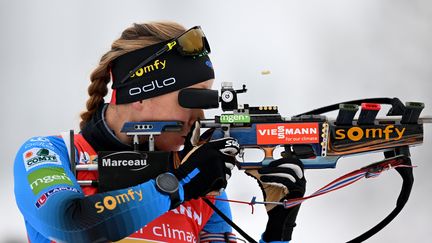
point(281, 179)
point(207, 167)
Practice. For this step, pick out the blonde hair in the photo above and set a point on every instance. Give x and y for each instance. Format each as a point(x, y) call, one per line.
point(133, 38)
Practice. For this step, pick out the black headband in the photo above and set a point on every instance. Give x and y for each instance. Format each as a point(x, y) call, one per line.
point(166, 73)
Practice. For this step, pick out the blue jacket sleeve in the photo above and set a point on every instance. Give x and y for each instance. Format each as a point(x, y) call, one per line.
point(53, 204)
point(216, 224)
point(216, 229)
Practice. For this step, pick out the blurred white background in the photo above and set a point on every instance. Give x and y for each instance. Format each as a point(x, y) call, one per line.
point(318, 52)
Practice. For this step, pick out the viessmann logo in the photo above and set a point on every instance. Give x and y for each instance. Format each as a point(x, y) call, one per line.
point(46, 177)
point(287, 133)
point(358, 133)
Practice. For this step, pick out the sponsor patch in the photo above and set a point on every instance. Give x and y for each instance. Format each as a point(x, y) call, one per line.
point(355, 134)
point(233, 118)
point(39, 156)
point(39, 142)
point(156, 65)
point(41, 201)
point(46, 177)
point(134, 160)
point(44, 198)
point(85, 158)
point(39, 139)
point(111, 202)
point(287, 133)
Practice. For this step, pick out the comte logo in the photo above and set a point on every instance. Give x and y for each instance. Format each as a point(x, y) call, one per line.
point(46, 177)
point(39, 156)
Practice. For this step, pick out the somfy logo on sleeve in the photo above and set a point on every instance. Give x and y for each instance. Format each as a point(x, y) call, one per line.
point(39, 156)
point(110, 202)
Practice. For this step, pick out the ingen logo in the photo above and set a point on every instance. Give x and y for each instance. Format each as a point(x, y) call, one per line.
point(155, 84)
point(46, 177)
point(234, 118)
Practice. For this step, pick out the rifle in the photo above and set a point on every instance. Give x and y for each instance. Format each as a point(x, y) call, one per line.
point(317, 141)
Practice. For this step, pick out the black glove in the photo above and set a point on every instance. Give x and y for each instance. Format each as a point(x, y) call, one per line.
point(281, 179)
point(207, 167)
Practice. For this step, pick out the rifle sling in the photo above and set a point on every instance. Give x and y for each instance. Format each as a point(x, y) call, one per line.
point(407, 183)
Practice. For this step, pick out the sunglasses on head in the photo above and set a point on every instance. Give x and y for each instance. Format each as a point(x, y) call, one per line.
point(192, 42)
